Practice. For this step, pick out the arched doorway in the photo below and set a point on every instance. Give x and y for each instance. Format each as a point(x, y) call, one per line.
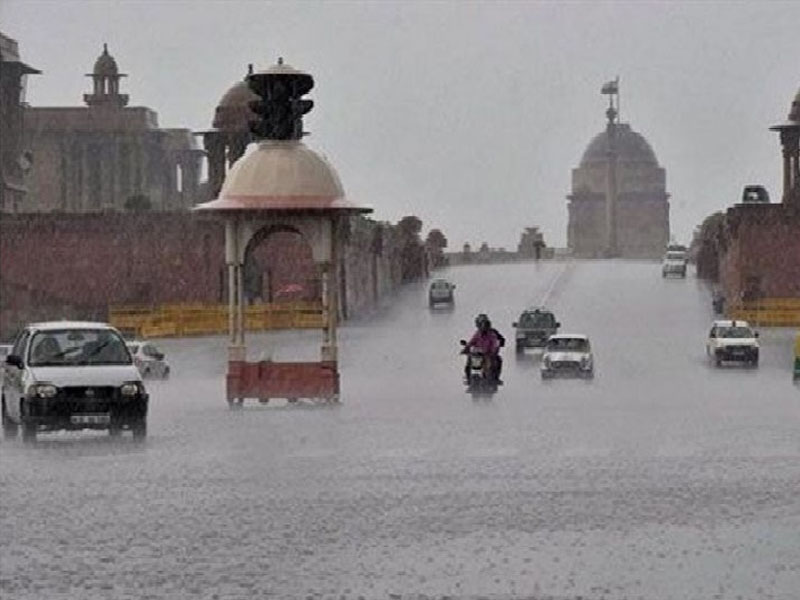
point(279, 267)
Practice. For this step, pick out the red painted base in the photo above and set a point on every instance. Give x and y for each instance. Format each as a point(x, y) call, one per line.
point(265, 380)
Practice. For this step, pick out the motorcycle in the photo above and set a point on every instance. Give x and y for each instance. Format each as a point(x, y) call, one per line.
point(480, 378)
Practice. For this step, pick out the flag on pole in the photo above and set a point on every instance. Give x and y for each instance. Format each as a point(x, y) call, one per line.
point(610, 87)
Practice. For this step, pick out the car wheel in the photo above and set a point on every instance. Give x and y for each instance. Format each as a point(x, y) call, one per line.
point(718, 361)
point(29, 428)
point(520, 348)
point(10, 428)
point(28, 431)
point(114, 430)
point(139, 429)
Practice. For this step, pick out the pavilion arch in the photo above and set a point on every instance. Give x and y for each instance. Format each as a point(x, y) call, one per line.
point(278, 265)
point(318, 234)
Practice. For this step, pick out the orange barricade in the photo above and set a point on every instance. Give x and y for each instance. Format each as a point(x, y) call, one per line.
point(188, 319)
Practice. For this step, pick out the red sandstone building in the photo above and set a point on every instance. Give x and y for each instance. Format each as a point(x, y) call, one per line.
point(107, 156)
point(14, 160)
point(754, 249)
point(69, 249)
point(761, 254)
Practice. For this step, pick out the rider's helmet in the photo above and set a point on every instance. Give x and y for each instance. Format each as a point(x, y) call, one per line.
point(482, 322)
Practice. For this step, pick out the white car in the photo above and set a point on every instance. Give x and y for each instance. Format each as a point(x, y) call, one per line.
point(148, 359)
point(568, 354)
point(674, 263)
point(71, 375)
point(732, 341)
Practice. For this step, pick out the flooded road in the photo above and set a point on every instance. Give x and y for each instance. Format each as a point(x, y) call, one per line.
point(664, 477)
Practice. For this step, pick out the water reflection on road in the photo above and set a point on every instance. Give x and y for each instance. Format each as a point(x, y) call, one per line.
point(665, 477)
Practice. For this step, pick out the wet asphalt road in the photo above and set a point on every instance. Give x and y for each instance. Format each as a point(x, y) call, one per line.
point(663, 478)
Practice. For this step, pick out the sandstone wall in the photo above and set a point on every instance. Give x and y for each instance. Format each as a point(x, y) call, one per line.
point(58, 265)
point(761, 252)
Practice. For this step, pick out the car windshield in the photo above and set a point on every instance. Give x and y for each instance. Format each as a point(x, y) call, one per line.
point(735, 332)
point(568, 345)
point(675, 256)
point(534, 319)
point(68, 347)
point(440, 285)
point(151, 351)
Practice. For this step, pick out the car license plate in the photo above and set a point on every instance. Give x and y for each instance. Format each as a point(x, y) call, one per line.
point(101, 419)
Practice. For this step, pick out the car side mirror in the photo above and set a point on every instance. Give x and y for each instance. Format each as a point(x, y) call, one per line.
point(558, 324)
point(463, 342)
point(756, 334)
point(515, 324)
point(452, 287)
point(15, 361)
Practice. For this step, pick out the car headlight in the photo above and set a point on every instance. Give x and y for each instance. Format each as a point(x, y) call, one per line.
point(42, 390)
point(130, 389)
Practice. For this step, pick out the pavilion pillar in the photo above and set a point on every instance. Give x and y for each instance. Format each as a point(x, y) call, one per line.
point(236, 348)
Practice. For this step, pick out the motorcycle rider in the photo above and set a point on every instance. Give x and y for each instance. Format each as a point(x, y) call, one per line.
point(488, 340)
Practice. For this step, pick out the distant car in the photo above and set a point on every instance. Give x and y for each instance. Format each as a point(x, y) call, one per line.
point(674, 263)
point(441, 292)
point(148, 359)
point(732, 341)
point(72, 375)
point(534, 327)
point(568, 354)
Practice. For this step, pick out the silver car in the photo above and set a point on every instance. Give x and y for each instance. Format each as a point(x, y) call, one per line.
point(150, 361)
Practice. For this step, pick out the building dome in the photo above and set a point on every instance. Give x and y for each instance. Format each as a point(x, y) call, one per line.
point(233, 112)
point(105, 63)
point(794, 111)
point(631, 147)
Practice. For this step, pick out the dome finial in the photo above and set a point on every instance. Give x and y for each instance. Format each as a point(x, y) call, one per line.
point(280, 60)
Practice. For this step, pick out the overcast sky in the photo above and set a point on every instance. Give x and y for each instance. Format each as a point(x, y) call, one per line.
point(470, 115)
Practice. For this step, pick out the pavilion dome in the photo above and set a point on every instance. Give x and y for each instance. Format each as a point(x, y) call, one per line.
point(105, 64)
point(283, 169)
point(281, 175)
point(631, 147)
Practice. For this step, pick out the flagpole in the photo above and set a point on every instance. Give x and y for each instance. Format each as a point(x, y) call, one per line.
point(619, 110)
